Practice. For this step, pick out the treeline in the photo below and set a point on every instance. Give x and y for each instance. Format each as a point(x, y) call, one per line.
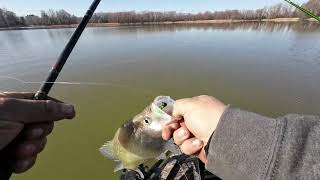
point(51, 17)
point(314, 6)
point(277, 11)
point(9, 19)
point(61, 17)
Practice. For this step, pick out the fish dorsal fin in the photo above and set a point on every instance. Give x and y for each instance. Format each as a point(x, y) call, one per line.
point(107, 151)
point(119, 166)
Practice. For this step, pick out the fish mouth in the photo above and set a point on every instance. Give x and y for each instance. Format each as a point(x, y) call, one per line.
point(127, 123)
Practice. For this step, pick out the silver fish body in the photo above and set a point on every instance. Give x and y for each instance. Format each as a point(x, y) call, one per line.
point(139, 139)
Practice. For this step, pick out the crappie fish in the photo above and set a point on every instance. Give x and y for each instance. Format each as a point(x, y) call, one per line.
point(139, 139)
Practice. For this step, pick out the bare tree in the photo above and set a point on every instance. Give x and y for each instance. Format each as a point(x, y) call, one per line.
point(9, 19)
point(312, 5)
point(33, 20)
point(62, 17)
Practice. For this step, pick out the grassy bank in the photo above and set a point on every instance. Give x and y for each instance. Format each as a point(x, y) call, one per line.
point(277, 20)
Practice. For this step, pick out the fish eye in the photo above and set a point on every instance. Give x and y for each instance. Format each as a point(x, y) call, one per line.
point(147, 120)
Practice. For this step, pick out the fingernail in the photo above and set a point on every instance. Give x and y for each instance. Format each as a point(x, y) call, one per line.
point(25, 164)
point(182, 133)
point(197, 143)
point(37, 132)
point(30, 148)
point(68, 111)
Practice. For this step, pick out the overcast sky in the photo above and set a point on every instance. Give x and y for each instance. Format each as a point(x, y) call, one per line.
point(78, 7)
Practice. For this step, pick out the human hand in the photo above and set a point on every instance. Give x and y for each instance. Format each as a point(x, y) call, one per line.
point(194, 121)
point(24, 125)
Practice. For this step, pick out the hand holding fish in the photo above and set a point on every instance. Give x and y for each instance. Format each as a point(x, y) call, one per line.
point(145, 136)
point(24, 125)
point(194, 121)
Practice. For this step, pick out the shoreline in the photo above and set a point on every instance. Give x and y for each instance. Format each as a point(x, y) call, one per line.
point(277, 20)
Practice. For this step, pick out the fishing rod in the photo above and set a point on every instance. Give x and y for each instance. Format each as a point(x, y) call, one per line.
point(306, 11)
point(56, 69)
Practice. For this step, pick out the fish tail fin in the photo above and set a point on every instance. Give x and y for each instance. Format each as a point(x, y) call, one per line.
point(119, 166)
point(107, 151)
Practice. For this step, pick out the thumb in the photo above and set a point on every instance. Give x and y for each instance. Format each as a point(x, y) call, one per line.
point(180, 108)
point(33, 111)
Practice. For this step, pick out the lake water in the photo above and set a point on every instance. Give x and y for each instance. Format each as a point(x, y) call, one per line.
point(272, 69)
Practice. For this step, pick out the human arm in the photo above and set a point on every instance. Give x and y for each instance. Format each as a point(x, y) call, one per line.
point(250, 146)
point(24, 125)
point(246, 145)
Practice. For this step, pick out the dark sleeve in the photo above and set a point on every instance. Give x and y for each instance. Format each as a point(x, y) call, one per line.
point(248, 146)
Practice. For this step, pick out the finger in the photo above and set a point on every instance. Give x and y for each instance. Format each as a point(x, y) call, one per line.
point(23, 95)
point(54, 99)
point(168, 130)
point(18, 95)
point(36, 131)
point(21, 166)
point(180, 135)
point(180, 108)
point(191, 146)
point(31, 111)
point(29, 148)
point(202, 156)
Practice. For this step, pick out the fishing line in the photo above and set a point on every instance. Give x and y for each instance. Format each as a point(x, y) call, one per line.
point(63, 82)
point(143, 90)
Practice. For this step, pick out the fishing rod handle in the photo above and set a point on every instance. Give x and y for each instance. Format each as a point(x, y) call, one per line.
point(56, 69)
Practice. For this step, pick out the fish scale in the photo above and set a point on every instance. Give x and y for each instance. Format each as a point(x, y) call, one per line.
point(139, 140)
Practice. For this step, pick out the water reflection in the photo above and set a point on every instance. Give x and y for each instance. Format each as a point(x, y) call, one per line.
point(55, 36)
point(269, 68)
point(59, 35)
point(304, 26)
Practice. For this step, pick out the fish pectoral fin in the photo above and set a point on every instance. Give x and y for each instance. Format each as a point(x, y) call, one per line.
point(161, 156)
point(119, 166)
point(107, 151)
point(172, 147)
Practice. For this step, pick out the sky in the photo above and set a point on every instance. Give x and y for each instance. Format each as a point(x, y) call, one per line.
point(79, 7)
